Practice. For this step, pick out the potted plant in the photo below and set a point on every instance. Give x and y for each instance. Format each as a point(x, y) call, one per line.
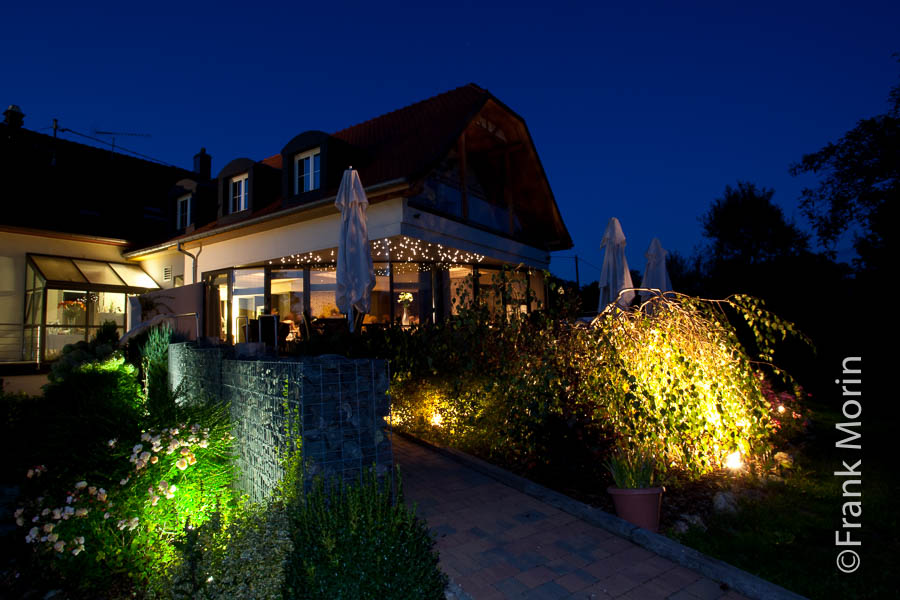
point(636, 497)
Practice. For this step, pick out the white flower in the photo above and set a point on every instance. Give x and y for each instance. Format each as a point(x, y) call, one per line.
point(123, 481)
point(52, 537)
point(30, 473)
point(48, 527)
point(154, 499)
point(35, 519)
point(20, 521)
point(185, 451)
point(154, 460)
point(81, 485)
point(32, 535)
point(77, 550)
point(111, 443)
point(145, 437)
point(81, 512)
point(106, 515)
point(59, 546)
point(92, 490)
point(121, 524)
point(203, 443)
point(19, 512)
point(133, 523)
point(137, 448)
point(101, 495)
point(45, 512)
point(181, 464)
point(80, 540)
point(57, 514)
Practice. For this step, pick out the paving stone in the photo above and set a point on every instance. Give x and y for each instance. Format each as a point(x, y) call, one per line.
point(512, 587)
point(496, 542)
point(548, 591)
point(536, 576)
point(706, 589)
point(576, 580)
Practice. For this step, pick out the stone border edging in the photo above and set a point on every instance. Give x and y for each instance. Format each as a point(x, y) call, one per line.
point(738, 579)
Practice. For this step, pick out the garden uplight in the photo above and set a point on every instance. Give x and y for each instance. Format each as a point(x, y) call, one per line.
point(436, 419)
point(733, 461)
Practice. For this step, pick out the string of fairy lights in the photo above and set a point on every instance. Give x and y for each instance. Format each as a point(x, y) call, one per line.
point(402, 249)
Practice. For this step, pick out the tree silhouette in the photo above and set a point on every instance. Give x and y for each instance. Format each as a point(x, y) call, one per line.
point(746, 227)
point(860, 187)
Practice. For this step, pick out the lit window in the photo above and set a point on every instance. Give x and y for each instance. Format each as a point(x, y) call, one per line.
point(183, 215)
point(239, 193)
point(306, 166)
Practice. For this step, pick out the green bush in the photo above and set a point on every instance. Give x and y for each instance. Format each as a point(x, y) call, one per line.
point(360, 542)
point(671, 381)
point(248, 558)
point(80, 412)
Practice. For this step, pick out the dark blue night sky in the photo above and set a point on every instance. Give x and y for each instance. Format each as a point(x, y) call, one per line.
point(644, 112)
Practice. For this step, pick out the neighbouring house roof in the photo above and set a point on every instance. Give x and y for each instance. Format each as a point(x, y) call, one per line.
point(404, 146)
point(58, 185)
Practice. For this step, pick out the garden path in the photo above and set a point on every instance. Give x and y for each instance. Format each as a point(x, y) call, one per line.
point(496, 542)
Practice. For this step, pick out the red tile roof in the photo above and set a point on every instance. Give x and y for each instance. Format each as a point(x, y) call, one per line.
point(272, 161)
point(408, 141)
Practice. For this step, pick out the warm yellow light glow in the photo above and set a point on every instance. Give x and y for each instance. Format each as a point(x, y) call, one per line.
point(436, 419)
point(781, 408)
point(733, 461)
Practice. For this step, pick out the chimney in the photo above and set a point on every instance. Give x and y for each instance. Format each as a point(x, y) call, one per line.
point(203, 164)
point(13, 117)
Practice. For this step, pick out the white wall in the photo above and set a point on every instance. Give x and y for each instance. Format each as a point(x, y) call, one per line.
point(384, 220)
point(155, 264)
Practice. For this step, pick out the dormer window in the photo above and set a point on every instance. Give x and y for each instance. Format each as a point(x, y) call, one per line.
point(239, 193)
point(306, 166)
point(183, 212)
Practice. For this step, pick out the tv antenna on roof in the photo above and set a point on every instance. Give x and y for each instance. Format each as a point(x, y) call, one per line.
point(120, 133)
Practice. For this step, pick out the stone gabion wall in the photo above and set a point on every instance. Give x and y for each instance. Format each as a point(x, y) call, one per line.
point(340, 407)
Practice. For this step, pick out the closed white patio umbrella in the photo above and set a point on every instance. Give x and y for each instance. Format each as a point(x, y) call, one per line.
point(656, 277)
point(355, 272)
point(614, 276)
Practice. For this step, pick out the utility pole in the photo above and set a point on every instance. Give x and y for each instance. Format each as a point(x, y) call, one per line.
point(577, 280)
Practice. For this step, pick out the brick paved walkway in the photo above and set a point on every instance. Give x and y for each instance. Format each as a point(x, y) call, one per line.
point(496, 542)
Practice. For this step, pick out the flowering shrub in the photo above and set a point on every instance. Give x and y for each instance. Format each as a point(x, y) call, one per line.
point(175, 475)
point(672, 381)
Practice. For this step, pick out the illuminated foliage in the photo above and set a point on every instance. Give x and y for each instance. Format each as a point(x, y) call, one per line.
point(670, 380)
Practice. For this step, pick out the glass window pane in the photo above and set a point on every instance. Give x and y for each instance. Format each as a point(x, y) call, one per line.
point(315, 172)
point(217, 306)
point(323, 286)
point(458, 289)
point(58, 268)
point(97, 272)
point(412, 293)
point(536, 287)
point(286, 293)
point(134, 276)
point(380, 309)
point(108, 306)
point(489, 290)
point(66, 308)
point(58, 338)
point(247, 302)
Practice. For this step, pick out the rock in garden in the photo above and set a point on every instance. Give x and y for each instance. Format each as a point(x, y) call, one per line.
point(724, 502)
point(694, 521)
point(784, 459)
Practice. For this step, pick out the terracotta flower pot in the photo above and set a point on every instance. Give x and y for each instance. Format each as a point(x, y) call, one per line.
point(639, 506)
